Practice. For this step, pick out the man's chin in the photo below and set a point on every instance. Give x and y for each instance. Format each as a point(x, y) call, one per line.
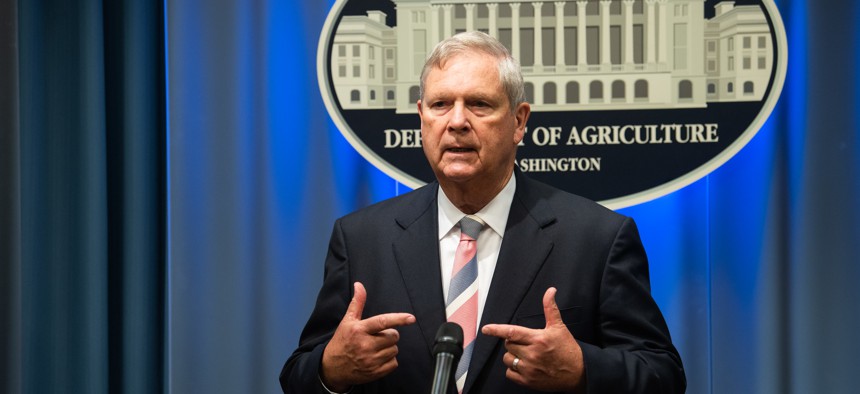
point(459, 175)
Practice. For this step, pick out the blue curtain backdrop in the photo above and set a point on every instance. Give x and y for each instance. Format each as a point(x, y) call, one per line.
point(82, 212)
point(182, 252)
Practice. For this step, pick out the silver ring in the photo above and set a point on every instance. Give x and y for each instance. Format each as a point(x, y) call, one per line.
point(515, 364)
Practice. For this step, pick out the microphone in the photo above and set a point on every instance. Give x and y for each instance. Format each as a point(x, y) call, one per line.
point(448, 349)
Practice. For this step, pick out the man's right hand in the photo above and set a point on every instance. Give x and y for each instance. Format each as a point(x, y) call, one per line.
point(361, 351)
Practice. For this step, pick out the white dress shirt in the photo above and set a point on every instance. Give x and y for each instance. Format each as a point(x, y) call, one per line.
point(495, 215)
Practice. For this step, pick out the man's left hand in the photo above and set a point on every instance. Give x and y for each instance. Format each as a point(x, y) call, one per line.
point(549, 359)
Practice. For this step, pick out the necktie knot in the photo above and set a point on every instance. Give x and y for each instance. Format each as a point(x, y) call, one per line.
point(471, 225)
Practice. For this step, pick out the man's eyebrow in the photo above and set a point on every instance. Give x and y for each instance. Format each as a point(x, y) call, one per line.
point(483, 97)
point(436, 97)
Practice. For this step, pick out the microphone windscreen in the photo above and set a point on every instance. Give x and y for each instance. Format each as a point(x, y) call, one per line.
point(449, 339)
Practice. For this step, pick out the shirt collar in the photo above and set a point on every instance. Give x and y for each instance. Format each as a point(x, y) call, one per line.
point(495, 214)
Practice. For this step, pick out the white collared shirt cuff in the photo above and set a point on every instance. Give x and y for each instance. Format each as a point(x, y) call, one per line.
point(327, 389)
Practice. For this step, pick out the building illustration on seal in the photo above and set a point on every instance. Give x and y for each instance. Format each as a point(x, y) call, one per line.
point(575, 54)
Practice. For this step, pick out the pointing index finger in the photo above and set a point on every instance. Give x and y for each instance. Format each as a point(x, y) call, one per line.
point(378, 323)
point(508, 332)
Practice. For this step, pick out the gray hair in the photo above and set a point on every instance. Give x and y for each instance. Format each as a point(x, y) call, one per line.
point(510, 75)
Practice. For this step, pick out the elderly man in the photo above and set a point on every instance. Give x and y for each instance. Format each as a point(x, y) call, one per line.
point(552, 290)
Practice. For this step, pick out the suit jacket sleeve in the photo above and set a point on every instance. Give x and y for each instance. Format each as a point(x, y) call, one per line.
point(302, 370)
point(636, 354)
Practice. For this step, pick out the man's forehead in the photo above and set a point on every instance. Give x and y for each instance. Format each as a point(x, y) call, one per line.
point(482, 64)
point(440, 85)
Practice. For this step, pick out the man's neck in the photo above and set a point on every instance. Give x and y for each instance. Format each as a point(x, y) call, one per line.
point(471, 197)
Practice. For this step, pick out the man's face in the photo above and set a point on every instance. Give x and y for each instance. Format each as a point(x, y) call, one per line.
point(468, 130)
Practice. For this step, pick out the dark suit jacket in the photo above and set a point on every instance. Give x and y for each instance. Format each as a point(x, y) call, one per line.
point(593, 256)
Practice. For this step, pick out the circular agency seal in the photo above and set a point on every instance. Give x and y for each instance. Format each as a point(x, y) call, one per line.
point(631, 99)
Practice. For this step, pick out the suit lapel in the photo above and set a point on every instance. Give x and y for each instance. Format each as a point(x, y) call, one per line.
point(417, 254)
point(521, 257)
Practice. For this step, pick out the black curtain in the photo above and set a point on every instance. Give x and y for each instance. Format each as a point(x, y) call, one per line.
point(10, 256)
point(83, 205)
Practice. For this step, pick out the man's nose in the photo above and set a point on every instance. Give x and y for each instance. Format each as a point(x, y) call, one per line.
point(458, 120)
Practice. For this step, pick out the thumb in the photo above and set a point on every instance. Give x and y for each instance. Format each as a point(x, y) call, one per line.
point(550, 308)
point(356, 306)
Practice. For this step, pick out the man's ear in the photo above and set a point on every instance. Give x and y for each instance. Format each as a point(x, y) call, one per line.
point(521, 116)
point(420, 115)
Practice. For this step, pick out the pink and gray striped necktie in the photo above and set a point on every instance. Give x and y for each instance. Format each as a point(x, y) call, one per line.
point(462, 304)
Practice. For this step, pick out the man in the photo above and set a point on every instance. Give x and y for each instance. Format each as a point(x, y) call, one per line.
point(558, 283)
